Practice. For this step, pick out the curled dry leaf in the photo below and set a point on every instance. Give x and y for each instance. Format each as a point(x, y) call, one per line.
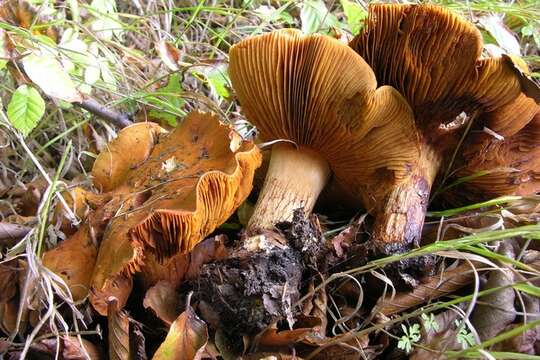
point(164, 301)
point(65, 348)
point(80, 201)
point(186, 339)
point(118, 324)
point(173, 189)
point(306, 329)
point(26, 15)
point(9, 301)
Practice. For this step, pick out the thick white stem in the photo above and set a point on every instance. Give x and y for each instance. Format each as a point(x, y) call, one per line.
point(294, 179)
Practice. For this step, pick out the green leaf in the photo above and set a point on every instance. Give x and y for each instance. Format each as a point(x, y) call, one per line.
point(47, 73)
point(315, 17)
point(3, 51)
point(169, 100)
point(218, 80)
point(355, 15)
point(25, 109)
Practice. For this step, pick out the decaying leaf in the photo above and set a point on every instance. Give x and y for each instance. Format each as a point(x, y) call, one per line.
point(186, 339)
point(65, 348)
point(164, 213)
point(118, 323)
point(430, 288)
point(496, 310)
point(9, 302)
point(307, 328)
point(440, 339)
point(164, 301)
point(24, 14)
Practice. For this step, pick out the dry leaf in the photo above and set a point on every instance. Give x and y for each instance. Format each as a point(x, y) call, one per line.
point(118, 323)
point(186, 339)
point(164, 301)
point(169, 54)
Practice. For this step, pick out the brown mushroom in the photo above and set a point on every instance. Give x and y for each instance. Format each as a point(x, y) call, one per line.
point(505, 160)
point(319, 98)
point(319, 101)
point(433, 58)
point(192, 180)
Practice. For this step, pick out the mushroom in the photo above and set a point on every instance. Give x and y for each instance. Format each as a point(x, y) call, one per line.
point(179, 187)
point(319, 102)
point(505, 160)
point(433, 58)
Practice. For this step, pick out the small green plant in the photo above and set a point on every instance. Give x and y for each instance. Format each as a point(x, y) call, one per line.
point(464, 336)
point(412, 335)
point(430, 324)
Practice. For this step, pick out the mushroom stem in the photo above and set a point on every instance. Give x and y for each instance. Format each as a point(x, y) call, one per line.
point(398, 225)
point(294, 179)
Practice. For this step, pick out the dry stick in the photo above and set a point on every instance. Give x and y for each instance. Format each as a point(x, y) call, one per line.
point(92, 106)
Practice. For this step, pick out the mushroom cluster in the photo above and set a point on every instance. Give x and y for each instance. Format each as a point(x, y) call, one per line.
point(320, 101)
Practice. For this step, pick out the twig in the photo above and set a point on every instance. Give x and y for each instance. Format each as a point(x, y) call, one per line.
point(117, 118)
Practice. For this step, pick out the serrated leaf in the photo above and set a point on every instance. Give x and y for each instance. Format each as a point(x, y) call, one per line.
point(25, 109)
point(47, 73)
point(354, 14)
point(315, 17)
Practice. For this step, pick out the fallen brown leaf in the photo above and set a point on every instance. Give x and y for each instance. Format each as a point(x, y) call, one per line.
point(164, 301)
point(186, 339)
point(118, 323)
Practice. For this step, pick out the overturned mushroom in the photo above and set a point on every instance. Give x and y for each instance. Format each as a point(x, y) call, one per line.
point(433, 58)
point(504, 160)
point(192, 180)
point(321, 99)
point(164, 192)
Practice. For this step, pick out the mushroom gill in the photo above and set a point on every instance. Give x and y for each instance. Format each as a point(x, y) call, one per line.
point(432, 57)
point(169, 191)
point(506, 164)
point(319, 101)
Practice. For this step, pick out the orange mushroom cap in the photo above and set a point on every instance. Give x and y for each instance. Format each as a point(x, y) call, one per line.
point(432, 57)
point(192, 180)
